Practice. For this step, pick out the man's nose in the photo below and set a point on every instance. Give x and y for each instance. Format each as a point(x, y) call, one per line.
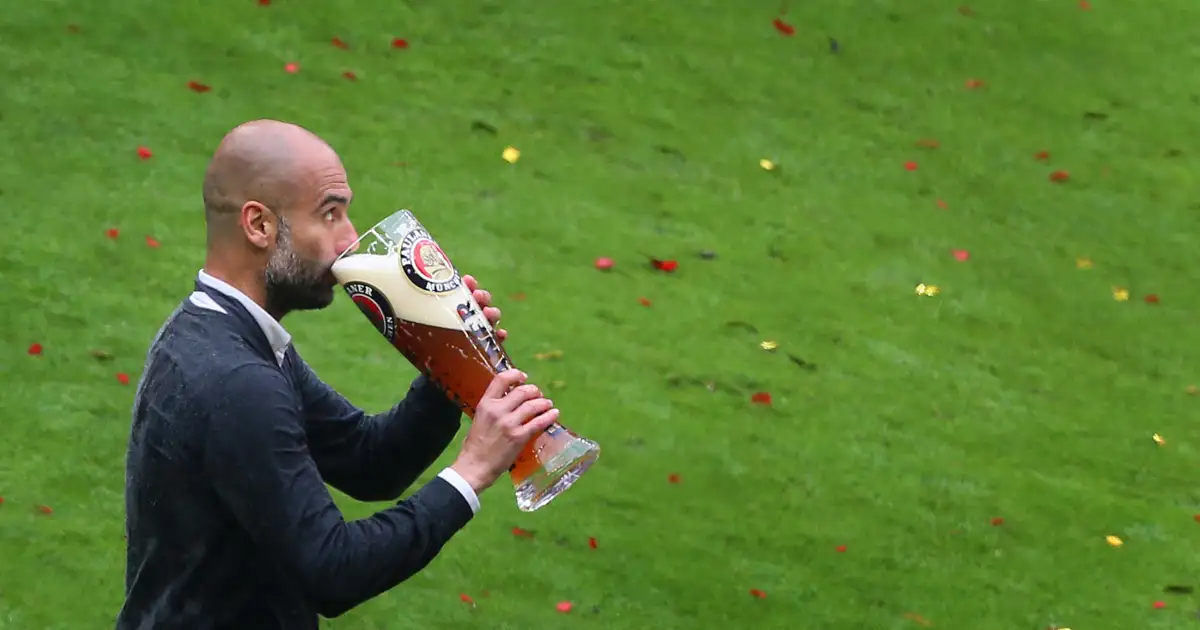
point(347, 237)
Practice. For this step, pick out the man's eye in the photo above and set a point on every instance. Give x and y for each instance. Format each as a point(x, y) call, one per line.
point(331, 215)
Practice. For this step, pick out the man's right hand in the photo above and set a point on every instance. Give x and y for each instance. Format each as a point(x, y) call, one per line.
point(509, 415)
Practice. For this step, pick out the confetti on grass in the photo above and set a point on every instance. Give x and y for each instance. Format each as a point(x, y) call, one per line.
point(197, 86)
point(144, 153)
point(664, 265)
point(927, 290)
point(35, 350)
point(604, 263)
point(511, 155)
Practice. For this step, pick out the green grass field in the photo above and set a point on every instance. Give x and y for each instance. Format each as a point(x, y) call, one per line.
point(901, 427)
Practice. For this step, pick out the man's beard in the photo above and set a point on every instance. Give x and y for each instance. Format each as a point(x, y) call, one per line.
point(294, 283)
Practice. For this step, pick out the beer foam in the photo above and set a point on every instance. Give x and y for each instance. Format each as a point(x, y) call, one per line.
point(383, 272)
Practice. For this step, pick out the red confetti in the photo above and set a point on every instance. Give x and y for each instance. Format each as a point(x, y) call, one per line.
point(966, 11)
point(45, 509)
point(1, 500)
point(517, 531)
point(604, 263)
point(997, 522)
point(466, 599)
point(152, 242)
point(197, 86)
point(1042, 155)
point(664, 265)
point(1197, 518)
point(1085, 5)
point(644, 301)
point(592, 542)
point(400, 43)
point(973, 84)
point(1059, 177)
point(910, 165)
point(761, 398)
point(122, 378)
point(72, 28)
point(785, 29)
point(35, 349)
point(144, 153)
point(942, 204)
point(263, 3)
point(961, 255)
point(350, 75)
point(758, 593)
point(674, 478)
point(1160, 605)
point(292, 68)
point(840, 549)
point(928, 143)
point(564, 607)
point(337, 42)
point(112, 233)
point(1152, 298)
point(518, 297)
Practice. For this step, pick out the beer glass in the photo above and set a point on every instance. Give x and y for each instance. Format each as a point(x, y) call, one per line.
point(406, 285)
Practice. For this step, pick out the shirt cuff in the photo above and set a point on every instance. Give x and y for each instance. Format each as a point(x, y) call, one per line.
point(453, 478)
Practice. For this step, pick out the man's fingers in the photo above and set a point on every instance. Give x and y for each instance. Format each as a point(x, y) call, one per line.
point(471, 283)
point(503, 382)
point(492, 314)
point(517, 397)
point(501, 334)
point(531, 408)
point(537, 425)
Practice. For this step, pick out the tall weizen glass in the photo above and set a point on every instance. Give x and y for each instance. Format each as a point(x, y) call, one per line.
point(406, 285)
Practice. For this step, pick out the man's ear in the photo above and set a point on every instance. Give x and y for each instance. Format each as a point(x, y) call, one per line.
point(259, 224)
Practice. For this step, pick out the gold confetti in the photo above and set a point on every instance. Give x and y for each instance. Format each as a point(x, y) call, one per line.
point(553, 354)
point(1120, 294)
point(769, 346)
point(767, 165)
point(1114, 541)
point(1083, 263)
point(927, 290)
point(1192, 390)
point(1158, 439)
point(511, 155)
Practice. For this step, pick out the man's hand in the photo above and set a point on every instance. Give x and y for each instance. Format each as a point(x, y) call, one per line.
point(509, 415)
point(484, 298)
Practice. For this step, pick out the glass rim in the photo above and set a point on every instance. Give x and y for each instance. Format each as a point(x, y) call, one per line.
point(373, 230)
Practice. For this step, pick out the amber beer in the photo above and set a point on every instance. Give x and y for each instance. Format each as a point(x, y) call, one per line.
point(406, 285)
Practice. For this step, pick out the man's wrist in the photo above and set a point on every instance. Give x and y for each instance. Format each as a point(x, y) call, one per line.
point(464, 487)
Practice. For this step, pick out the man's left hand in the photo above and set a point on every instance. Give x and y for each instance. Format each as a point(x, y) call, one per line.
point(484, 298)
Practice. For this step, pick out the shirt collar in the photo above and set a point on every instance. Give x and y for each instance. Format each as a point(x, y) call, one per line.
point(277, 336)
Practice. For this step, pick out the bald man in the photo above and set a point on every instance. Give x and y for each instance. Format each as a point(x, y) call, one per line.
point(228, 518)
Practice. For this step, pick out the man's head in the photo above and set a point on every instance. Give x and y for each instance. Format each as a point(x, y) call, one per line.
point(275, 203)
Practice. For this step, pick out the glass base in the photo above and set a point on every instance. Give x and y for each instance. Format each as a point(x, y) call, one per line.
point(557, 474)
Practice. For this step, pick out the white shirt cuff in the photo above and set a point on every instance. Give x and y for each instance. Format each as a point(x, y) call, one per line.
point(464, 488)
